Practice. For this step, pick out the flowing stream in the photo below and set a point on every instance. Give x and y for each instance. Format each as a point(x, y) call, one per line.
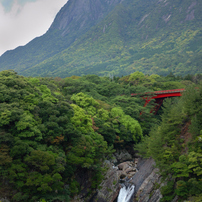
point(126, 193)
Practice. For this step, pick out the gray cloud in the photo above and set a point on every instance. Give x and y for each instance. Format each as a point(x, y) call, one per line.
point(8, 4)
point(26, 20)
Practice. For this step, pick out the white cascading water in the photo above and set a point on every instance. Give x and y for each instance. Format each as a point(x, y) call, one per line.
point(126, 193)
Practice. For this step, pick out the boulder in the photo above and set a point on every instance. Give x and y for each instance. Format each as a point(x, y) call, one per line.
point(123, 166)
point(123, 155)
point(130, 169)
point(131, 174)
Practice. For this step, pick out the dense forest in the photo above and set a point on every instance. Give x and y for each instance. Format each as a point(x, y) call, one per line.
point(51, 128)
point(176, 146)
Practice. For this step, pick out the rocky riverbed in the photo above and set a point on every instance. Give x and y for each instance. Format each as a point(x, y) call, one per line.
point(137, 171)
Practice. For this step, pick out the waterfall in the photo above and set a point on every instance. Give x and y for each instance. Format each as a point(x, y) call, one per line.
point(126, 193)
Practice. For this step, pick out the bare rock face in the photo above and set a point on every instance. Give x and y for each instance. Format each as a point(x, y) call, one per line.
point(140, 172)
point(147, 182)
point(145, 168)
point(146, 178)
point(147, 190)
point(110, 186)
point(108, 190)
point(81, 14)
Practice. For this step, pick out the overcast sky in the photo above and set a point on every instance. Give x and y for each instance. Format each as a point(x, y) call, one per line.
point(23, 20)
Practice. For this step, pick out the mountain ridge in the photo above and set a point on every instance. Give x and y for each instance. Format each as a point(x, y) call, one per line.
point(50, 43)
point(131, 36)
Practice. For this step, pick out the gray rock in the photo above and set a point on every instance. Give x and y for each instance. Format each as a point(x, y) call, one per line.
point(145, 168)
point(147, 182)
point(110, 186)
point(131, 169)
point(131, 174)
point(123, 166)
point(82, 13)
point(123, 155)
point(147, 190)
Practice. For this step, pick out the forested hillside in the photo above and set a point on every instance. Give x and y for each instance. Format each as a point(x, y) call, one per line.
point(53, 128)
point(175, 145)
point(116, 38)
point(74, 20)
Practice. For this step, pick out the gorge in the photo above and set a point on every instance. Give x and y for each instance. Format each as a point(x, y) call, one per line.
point(74, 126)
point(67, 139)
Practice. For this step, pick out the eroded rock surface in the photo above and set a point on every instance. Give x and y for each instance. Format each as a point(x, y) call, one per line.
point(110, 186)
point(147, 182)
point(140, 172)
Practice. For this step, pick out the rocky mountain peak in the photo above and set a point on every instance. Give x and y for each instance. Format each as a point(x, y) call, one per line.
point(77, 15)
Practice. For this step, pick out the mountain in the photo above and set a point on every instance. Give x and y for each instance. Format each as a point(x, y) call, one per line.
point(115, 37)
point(74, 19)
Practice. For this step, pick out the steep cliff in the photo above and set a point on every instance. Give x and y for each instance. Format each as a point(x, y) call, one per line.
point(78, 16)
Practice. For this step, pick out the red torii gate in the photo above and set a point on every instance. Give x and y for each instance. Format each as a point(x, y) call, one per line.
point(159, 96)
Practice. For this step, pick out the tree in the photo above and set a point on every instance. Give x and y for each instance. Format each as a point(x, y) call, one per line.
point(136, 78)
point(81, 120)
point(131, 124)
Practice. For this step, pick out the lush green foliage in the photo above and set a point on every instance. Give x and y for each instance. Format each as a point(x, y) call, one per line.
point(51, 129)
point(43, 139)
point(175, 144)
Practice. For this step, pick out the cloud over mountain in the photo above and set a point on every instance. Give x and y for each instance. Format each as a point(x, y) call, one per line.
point(8, 4)
point(23, 20)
